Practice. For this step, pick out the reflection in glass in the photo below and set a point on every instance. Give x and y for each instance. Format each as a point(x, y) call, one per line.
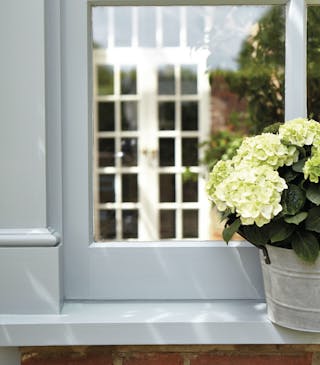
point(106, 116)
point(313, 62)
point(195, 29)
point(129, 116)
point(130, 223)
point(106, 152)
point(147, 26)
point(107, 224)
point(122, 26)
point(105, 80)
point(189, 115)
point(99, 31)
point(129, 151)
point(167, 188)
point(189, 79)
point(167, 223)
point(166, 115)
point(190, 191)
point(129, 188)
point(166, 149)
point(106, 188)
point(247, 68)
point(190, 223)
point(166, 80)
point(171, 26)
point(190, 151)
point(128, 78)
point(230, 61)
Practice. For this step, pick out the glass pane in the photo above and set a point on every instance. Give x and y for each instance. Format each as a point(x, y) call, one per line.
point(129, 151)
point(128, 80)
point(107, 225)
point(129, 188)
point(313, 62)
point(106, 188)
point(189, 115)
point(147, 26)
point(167, 188)
point(166, 80)
point(190, 223)
point(189, 151)
point(166, 148)
point(189, 79)
point(105, 80)
point(161, 62)
point(166, 115)
point(246, 66)
point(171, 26)
point(99, 32)
point(190, 191)
point(195, 22)
point(129, 116)
point(106, 152)
point(122, 26)
point(167, 223)
point(106, 116)
point(130, 224)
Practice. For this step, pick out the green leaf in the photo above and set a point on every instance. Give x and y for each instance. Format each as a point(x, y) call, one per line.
point(230, 230)
point(279, 231)
point(313, 193)
point(296, 219)
point(289, 175)
point(256, 235)
point(293, 199)
point(224, 215)
point(306, 246)
point(298, 166)
point(313, 220)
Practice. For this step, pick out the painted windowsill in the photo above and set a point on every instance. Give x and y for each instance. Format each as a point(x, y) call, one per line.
point(112, 323)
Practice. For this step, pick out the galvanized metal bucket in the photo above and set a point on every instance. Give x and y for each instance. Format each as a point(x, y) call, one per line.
point(292, 290)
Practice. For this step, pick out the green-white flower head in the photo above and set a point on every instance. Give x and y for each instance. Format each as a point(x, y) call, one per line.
point(219, 173)
point(311, 168)
point(266, 149)
point(300, 132)
point(253, 194)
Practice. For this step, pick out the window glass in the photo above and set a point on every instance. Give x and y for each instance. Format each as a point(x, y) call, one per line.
point(146, 27)
point(175, 88)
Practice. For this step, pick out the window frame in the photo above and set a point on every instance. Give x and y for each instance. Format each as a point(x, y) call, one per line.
point(183, 270)
point(39, 291)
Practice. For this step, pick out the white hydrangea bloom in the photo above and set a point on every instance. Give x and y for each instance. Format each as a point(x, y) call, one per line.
point(220, 172)
point(253, 194)
point(266, 149)
point(300, 132)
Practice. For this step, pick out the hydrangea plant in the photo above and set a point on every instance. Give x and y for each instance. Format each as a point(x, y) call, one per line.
point(269, 191)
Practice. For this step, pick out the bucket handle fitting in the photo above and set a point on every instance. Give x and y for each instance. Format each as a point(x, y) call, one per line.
point(265, 254)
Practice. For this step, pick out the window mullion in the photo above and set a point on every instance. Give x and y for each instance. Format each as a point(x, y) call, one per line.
point(296, 74)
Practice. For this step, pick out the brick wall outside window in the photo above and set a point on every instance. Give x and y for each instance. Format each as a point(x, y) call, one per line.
point(174, 355)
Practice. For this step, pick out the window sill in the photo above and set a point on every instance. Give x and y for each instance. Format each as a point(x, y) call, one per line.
point(157, 323)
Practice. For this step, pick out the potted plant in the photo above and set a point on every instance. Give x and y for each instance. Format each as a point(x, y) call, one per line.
point(269, 193)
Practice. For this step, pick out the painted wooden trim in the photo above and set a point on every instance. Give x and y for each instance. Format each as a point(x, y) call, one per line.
point(30, 282)
point(296, 60)
point(28, 237)
point(151, 323)
point(186, 2)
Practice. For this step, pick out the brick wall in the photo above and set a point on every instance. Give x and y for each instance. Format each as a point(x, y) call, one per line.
point(174, 355)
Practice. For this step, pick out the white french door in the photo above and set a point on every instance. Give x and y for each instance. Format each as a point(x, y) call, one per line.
point(151, 110)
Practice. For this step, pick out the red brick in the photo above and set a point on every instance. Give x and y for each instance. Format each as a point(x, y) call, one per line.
point(153, 359)
point(92, 359)
point(214, 359)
